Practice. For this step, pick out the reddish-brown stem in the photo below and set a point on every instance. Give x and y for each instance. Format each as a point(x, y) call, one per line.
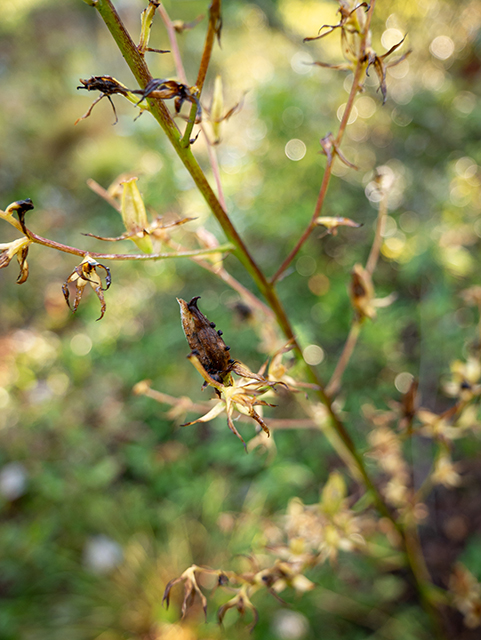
point(214, 19)
point(335, 381)
point(183, 77)
point(82, 253)
point(361, 64)
point(320, 201)
point(212, 30)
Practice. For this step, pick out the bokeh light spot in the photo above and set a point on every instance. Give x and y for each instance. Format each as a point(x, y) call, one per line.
point(442, 47)
point(295, 149)
point(313, 354)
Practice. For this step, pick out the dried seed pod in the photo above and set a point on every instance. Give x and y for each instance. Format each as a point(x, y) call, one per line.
point(205, 341)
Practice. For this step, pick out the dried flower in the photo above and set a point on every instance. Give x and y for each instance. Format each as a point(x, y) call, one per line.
point(17, 248)
point(166, 89)
point(330, 149)
point(210, 356)
point(242, 603)
point(85, 272)
point(333, 223)
point(353, 29)
point(445, 471)
point(216, 112)
point(190, 589)
point(362, 293)
point(466, 592)
point(436, 426)
point(465, 379)
point(107, 86)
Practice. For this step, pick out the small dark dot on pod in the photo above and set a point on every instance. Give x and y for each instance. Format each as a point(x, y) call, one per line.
point(219, 333)
point(227, 348)
point(212, 324)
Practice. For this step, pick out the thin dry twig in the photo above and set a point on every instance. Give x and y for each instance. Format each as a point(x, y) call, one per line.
point(328, 170)
point(183, 77)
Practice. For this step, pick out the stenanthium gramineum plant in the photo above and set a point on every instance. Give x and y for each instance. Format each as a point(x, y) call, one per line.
point(310, 534)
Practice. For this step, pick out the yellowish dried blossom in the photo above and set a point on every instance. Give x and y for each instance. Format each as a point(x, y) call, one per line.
point(465, 379)
point(362, 293)
point(17, 248)
point(445, 472)
point(437, 427)
point(466, 592)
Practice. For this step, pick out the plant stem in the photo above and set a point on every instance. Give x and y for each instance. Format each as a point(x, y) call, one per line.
point(335, 381)
point(212, 29)
point(350, 344)
point(361, 64)
point(65, 248)
point(183, 77)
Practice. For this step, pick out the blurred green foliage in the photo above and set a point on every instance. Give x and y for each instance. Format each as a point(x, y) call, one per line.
point(89, 471)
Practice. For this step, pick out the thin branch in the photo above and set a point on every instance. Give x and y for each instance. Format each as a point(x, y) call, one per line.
point(360, 67)
point(335, 381)
point(376, 245)
point(65, 248)
point(174, 45)
point(213, 29)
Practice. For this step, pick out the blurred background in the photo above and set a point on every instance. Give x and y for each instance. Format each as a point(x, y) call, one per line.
point(103, 498)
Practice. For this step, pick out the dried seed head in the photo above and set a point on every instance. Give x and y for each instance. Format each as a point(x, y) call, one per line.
point(205, 341)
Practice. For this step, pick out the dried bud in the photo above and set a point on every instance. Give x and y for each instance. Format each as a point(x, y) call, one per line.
point(362, 293)
point(332, 223)
point(206, 343)
point(85, 272)
point(134, 215)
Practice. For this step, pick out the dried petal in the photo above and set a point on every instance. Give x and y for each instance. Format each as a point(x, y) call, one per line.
point(134, 215)
point(22, 261)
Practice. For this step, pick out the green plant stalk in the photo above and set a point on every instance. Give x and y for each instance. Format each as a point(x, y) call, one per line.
point(142, 74)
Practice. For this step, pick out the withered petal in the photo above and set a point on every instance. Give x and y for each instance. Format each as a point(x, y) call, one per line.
point(166, 596)
point(22, 261)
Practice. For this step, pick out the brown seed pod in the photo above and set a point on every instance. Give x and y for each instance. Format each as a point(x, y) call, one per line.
point(206, 343)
